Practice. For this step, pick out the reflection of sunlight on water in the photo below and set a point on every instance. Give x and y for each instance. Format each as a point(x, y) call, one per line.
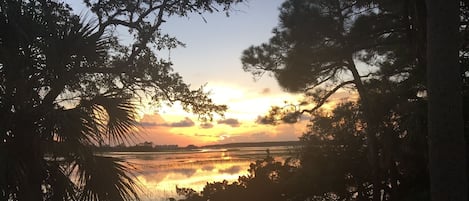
point(160, 172)
point(160, 184)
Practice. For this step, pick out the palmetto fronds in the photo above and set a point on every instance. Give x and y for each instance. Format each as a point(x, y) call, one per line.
point(46, 144)
point(119, 118)
point(104, 178)
point(94, 177)
point(67, 85)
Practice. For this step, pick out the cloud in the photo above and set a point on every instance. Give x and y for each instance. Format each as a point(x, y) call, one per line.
point(231, 122)
point(186, 122)
point(157, 130)
point(264, 120)
point(148, 124)
point(206, 125)
point(150, 121)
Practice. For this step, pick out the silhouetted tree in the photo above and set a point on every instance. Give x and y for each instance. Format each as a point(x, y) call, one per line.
point(316, 49)
point(447, 152)
point(267, 180)
point(333, 163)
point(68, 82)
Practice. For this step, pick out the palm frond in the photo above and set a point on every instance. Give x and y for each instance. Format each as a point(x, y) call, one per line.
point(93, 121)
point(119, 119)
point(76, 127)
point(105, 178)
point(59, 184)
point(80, 40)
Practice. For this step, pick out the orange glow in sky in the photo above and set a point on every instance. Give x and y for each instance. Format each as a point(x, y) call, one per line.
point(172, 125)
point(214, 43)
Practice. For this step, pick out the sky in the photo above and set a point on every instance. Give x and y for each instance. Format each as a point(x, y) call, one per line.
point(212, 57)
point(214, 43)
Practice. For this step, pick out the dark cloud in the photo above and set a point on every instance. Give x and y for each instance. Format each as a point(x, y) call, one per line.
point(206, 125)
point(186, 122)
point(148, 124)
point(231, 122)
point(264, 120)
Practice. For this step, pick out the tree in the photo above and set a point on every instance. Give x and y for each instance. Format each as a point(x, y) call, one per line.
point(267, 180)
point(447, 151)
point(332, 163)
point(67, 83)
point(317, 45)
point(334, 156)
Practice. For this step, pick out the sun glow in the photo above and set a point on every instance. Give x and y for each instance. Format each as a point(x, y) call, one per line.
point(247, 105)
point(173, 125)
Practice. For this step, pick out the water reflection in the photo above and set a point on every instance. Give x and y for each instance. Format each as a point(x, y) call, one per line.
point(160, 172)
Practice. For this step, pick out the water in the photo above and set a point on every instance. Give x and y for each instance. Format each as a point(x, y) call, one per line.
point(159, 173)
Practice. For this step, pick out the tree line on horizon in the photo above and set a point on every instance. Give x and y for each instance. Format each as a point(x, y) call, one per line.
point(67, 82)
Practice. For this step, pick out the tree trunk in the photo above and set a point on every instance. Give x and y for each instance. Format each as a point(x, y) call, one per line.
point(371, 130)
point(447, 158)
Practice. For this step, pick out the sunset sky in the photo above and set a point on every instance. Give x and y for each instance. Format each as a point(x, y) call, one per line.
point(212, 58)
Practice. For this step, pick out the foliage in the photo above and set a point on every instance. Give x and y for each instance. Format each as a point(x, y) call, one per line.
point(68, 82)
point(317, 49)
point(314, 50)
point(333, 164)
point(318, 43)
point(267, 180)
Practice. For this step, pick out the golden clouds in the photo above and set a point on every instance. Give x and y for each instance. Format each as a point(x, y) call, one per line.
point(172, 125)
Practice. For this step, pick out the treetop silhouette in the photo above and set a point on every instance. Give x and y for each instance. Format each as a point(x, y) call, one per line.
point(68, 82)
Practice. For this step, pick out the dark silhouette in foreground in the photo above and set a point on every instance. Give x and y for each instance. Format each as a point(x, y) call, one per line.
point(319, 48)
point(332, 165)
point(68, 82)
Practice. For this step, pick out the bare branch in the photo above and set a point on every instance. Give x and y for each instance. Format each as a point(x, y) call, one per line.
point(326, 97)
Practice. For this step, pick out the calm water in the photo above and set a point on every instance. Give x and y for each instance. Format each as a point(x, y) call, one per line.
point(160, 172)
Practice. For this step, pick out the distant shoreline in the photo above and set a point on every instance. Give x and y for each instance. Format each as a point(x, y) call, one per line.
point(167, 148)
point(254, 144)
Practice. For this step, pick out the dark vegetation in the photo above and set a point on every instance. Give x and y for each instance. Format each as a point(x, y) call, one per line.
point(67, 83)
point(332, 165)
point(376, 148)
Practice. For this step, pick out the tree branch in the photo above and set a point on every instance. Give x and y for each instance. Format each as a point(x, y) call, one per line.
point(324, 99)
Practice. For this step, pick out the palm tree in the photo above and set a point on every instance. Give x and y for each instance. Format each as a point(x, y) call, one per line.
point(67, 85)
point(46, 148)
